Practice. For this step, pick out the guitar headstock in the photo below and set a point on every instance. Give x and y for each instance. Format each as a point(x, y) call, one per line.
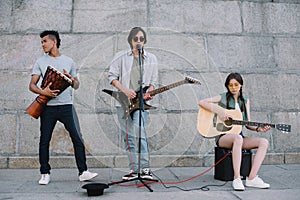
point(284, 127)
point(191, 80)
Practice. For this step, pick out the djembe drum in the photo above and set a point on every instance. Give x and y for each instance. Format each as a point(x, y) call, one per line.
point(59, 82)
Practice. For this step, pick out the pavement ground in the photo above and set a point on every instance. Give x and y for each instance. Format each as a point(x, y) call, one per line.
point(180, 183)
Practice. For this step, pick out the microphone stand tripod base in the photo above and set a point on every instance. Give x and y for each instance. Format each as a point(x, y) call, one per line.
point(138, 178)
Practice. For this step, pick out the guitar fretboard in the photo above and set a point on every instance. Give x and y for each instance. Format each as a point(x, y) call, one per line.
point(167, 87)
point(246, 123)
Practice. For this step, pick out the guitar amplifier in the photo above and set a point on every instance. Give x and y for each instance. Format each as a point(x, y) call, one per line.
point(224, 170)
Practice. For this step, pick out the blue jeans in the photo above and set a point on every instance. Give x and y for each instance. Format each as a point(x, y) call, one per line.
point(66, 114)
point(130, 132)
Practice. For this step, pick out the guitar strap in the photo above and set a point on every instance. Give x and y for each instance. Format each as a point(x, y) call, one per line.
point(231, 104)
point(246, 113)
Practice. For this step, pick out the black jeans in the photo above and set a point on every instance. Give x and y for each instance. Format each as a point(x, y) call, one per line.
point(66, 114)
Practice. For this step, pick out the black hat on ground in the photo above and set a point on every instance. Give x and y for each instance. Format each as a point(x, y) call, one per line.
point(95, 189)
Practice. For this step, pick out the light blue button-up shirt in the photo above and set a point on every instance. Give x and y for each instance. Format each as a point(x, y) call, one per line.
point(120, 68)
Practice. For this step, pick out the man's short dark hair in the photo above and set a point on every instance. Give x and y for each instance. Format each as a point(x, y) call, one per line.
point(53, 35)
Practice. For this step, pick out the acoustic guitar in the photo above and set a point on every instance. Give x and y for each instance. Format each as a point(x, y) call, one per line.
point(209, 124)
point(131, 105)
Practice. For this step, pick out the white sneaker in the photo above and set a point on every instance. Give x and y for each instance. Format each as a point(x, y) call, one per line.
point(86, 175)
point(257, 183)
point(146, 173)
point(237, 184)
point(45, 179)
point(132, 174)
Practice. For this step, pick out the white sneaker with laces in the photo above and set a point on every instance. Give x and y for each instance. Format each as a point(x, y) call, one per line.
point(132, 174)
point(257, 183)
point(87, 175)
point(45, 179)
point(237, 184)
point(146, 173)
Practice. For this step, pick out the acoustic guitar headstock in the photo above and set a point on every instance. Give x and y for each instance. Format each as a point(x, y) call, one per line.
point(285, 128)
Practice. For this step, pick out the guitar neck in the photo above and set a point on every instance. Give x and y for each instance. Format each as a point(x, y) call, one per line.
point(246, 123)
point(164, 88)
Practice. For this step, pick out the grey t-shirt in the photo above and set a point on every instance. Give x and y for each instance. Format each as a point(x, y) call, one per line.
point(59, 63)
point(135, 75)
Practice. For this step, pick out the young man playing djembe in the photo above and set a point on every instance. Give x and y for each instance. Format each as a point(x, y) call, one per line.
point(59, 108)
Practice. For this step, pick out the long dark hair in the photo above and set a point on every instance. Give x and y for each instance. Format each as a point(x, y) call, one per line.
point(133, 33)
point(229, 95)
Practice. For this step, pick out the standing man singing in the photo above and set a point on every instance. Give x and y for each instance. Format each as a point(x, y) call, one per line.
point(59, 108)
point(124, 74)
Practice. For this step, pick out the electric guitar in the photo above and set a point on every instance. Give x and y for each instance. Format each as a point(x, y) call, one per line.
point(131, 105)
point(209, 124)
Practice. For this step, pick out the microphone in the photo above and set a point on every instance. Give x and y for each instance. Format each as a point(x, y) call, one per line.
point(139, 47)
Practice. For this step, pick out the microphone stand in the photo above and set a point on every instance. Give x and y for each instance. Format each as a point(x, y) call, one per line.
point(141, 101)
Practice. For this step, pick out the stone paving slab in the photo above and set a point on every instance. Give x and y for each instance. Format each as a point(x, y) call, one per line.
point(22, 184)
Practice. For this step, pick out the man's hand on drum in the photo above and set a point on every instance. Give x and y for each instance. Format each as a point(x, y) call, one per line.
point(68, 75)
point(50, 93)
point(75, 82)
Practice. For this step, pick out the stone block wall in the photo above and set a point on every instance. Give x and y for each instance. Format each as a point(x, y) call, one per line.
point(203, 39)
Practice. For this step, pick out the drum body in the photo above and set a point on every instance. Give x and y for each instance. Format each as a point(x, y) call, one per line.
point(59, 82)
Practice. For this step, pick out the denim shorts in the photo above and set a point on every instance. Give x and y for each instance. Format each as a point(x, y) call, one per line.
point(217, 138)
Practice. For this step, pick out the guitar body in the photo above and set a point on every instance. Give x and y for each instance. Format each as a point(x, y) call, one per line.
point(129, 105)
point(209, 124)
